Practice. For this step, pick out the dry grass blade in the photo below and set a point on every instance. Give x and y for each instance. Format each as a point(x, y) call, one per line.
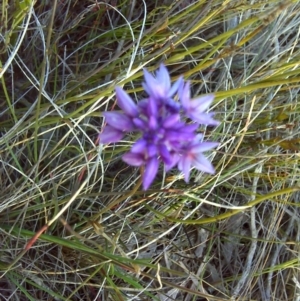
point(74, 223)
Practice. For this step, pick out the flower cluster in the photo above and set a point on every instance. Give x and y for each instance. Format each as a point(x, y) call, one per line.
point(164, 135)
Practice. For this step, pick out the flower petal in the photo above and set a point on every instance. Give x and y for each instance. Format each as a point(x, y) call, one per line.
point(139, 146)
point(176, 86)
point(150, 172)
point(152, 109)
point(140, 124)
point(126, 103)
point(165, 154)
point(203, 164)
point(201, 104)
point(150, 83)
point(171, 121)
point(184, 165)
point(157, 87)
point(175, 157)
point(181, 131)
point(133, 159)
point(110, 135)
point(204, 146)
point(184, 95)
point(152, 123)
point(151, 150)
point(203, 118)
point(188, 128)
point(119, 121)
point(163, 77)
point(173, 136)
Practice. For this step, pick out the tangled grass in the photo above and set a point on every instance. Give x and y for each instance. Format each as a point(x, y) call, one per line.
point(74, 222)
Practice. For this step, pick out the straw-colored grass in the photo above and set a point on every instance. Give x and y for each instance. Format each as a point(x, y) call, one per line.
point(74, 221)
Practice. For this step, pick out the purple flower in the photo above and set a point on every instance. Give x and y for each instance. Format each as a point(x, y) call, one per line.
point(118, 125)
point(126, 103)
point(119, 121)
point(134, 159)
point(146, 154)
point(110, 135)
point(159, 118)
point(192, 155)
point(196, 108)
point(160, 87)
point(151, 169)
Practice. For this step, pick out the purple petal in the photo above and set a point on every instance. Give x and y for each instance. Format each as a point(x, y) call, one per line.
point(176, 86)
point(157, 89)
point(184, 95)
point(171, 121)
point(152, 123)
point(176, 146)
point(203, 118)
point(163, 77)
point(139, 123)
point(152, 107)
point(184, 165)
point(139, 146)
point(203, 164)
point(119, 121)
point(180, 135)
point(174, 160)
point(172, 105)
point(150, 172)
point(201, 104)
point(151, 150)
point(188, 128)
point(204, 146)
point(133, 159)
point(165, 154)
point(110, 135)
point(185, 133)
point(142, 105)
point(150, 82)
point(126, 103)
point(179, 125)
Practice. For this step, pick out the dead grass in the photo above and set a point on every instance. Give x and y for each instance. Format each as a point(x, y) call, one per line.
point(74, 224)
